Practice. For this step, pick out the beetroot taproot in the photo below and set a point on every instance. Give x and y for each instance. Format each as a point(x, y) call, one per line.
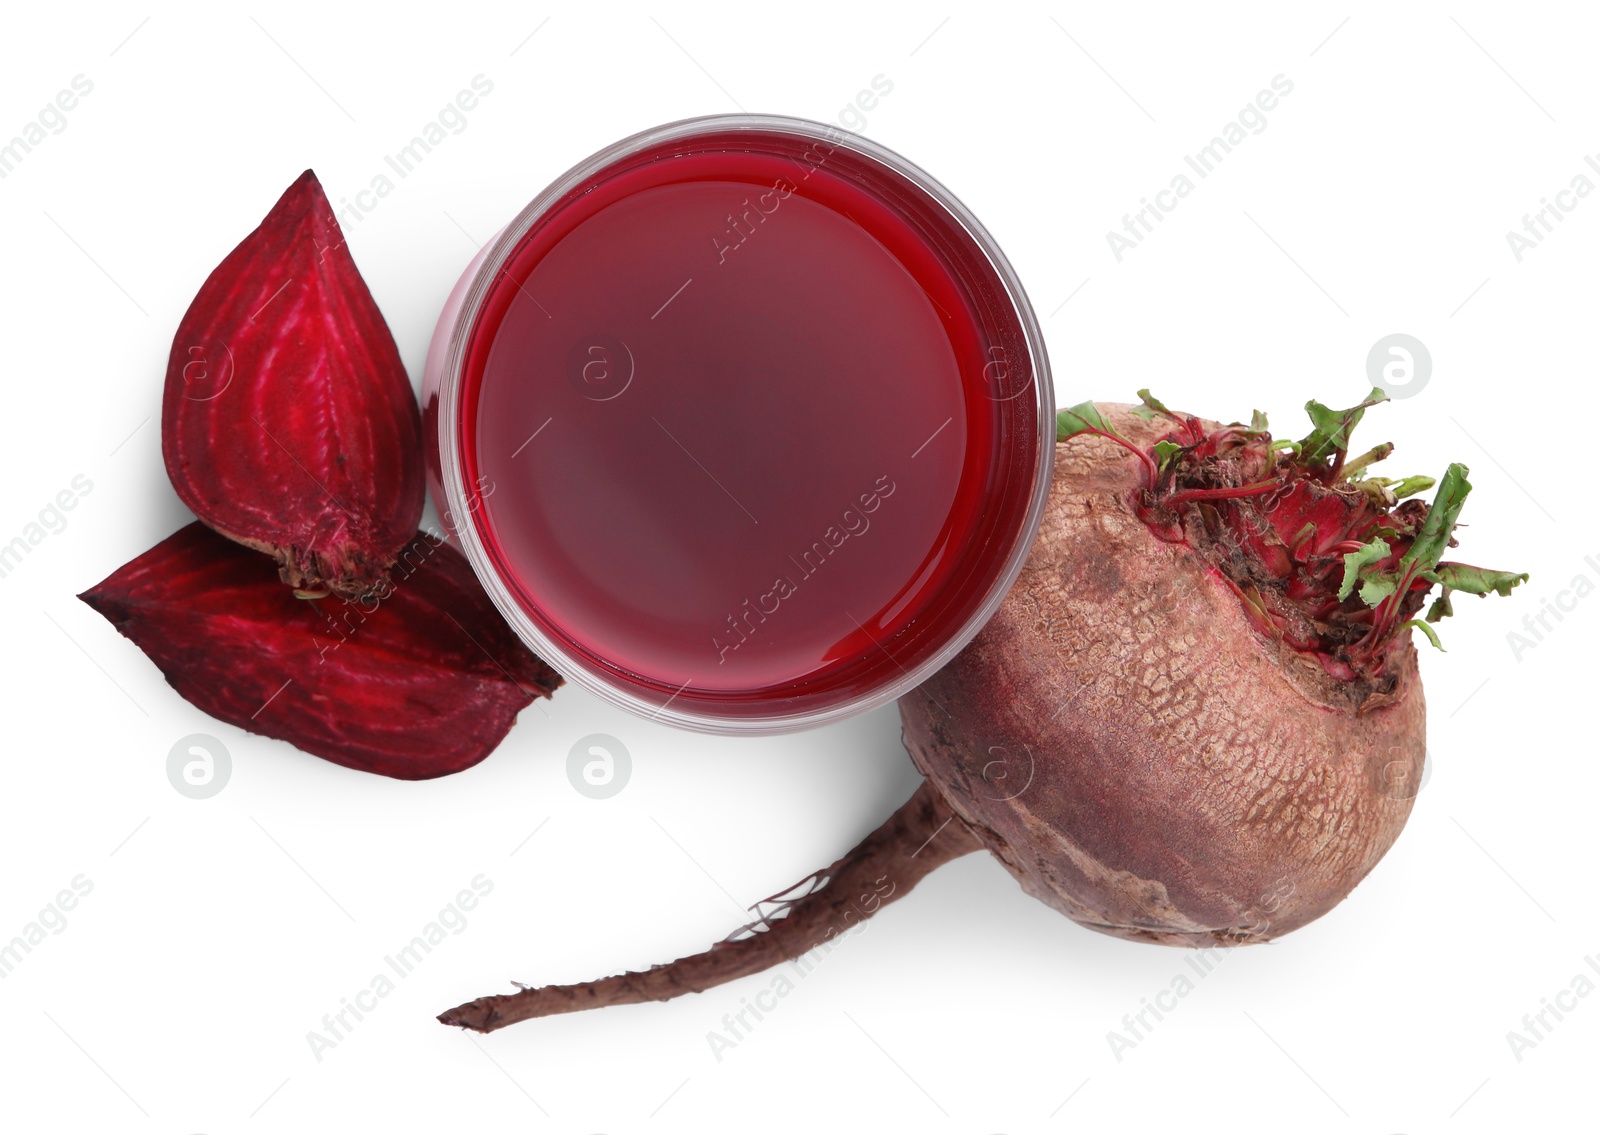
point(1196, 720)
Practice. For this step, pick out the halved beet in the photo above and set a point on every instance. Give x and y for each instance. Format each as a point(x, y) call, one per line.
point(288, 422)
point(415, 680)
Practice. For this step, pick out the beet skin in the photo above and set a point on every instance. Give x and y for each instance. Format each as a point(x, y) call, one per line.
point(1137, 754)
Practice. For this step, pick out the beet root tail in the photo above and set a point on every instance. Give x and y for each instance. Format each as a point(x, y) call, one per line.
point(922, 835)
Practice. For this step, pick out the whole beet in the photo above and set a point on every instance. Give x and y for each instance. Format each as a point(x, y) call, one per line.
point(1137, 754)
point(1195, 720)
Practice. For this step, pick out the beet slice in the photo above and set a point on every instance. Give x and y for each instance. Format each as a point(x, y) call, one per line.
point(288, 422)
point(420, 679)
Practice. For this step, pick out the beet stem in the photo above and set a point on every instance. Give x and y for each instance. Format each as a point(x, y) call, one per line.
point(1150, 466)
point(1252, 490)
point(921, 836)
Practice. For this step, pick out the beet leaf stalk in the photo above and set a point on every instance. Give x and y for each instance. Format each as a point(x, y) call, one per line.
point(1327, 557)
point(921, 836)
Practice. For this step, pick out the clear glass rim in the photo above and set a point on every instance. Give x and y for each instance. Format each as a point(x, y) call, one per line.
point(574, 669)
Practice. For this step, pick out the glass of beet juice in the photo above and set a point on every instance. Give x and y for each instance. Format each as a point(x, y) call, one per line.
point(745, 423)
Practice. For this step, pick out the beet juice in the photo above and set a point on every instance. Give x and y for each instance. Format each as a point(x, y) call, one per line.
point(745, 424)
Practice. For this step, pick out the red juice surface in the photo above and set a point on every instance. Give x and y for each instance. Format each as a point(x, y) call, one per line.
point(740, 420)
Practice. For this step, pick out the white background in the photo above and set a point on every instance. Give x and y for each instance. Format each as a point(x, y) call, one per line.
point(219, 932)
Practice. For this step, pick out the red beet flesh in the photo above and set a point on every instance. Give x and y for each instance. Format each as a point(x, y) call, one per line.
point(415, 681)
point(288, 423)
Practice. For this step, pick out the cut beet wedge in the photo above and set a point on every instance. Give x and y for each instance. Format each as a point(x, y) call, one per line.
point(414, 681)
point(288, 423)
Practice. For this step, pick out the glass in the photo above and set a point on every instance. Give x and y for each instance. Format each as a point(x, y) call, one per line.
point(744, 423)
